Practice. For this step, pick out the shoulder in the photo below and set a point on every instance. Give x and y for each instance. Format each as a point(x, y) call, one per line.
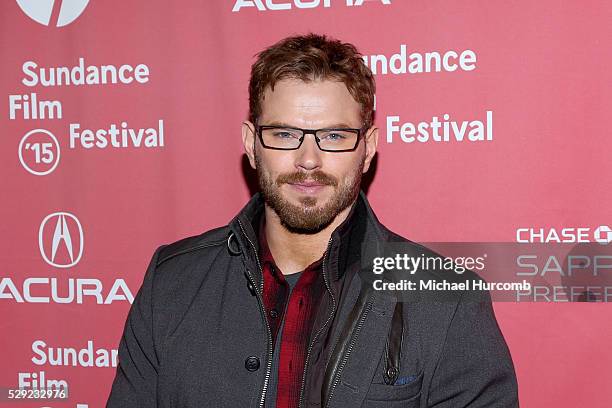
point(197, 243)
point(181, 267)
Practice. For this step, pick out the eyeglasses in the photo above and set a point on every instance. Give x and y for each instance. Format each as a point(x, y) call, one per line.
point(290, 138)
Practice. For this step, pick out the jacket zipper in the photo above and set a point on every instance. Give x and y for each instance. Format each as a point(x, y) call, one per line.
point(265, 318)
point(348, 352)
point(322, 327)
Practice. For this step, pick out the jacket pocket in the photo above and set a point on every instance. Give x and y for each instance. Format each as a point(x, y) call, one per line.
point(405, 395)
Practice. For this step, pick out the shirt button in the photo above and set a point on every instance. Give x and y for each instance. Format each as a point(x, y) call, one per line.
point(252, 363)
point(273, 313)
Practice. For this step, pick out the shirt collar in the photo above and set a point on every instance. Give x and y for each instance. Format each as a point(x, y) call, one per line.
point(264, 250)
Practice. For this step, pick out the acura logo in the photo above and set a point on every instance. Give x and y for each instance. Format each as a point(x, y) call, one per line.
point(60, 239)
point(42, 11)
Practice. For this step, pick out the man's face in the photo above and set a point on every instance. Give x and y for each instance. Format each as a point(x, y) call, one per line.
point(308, 188)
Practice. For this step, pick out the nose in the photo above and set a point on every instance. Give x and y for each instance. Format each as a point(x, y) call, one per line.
point(308, 155)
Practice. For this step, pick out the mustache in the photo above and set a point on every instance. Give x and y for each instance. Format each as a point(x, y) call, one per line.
point(317, 176)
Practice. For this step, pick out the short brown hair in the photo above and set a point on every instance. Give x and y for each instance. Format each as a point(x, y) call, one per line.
point(312, 57)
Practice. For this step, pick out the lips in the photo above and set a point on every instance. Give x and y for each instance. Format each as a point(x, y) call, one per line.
point(308, 184)
point(307, 187)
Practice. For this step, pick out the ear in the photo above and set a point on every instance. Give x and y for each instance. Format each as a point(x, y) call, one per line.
point(248, 140)
point(371, 143)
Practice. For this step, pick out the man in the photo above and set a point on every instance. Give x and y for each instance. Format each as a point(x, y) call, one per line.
point(274, 309)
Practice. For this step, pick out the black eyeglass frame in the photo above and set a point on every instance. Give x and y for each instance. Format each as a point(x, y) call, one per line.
point(259, 128)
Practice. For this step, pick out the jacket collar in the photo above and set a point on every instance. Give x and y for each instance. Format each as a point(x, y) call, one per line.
point(361, 227)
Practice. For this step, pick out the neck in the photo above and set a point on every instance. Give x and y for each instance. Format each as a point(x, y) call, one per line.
point(293, 252)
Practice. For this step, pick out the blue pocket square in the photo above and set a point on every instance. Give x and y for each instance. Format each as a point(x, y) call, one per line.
point(405, 380)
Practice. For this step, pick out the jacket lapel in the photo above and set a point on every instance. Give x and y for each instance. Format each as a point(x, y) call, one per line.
point(360, 343)
point(364, 315)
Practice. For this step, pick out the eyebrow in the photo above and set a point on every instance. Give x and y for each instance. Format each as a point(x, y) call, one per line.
point(333, 126)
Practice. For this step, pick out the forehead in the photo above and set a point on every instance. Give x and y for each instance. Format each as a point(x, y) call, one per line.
point(314, 104)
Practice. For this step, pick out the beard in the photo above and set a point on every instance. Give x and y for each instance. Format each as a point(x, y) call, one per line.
point(309, 217)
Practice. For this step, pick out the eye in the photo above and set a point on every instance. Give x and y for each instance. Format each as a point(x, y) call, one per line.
point(335, 136)
point(283, 134)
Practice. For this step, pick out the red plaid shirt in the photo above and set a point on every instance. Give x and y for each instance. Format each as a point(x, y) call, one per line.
point(300, 314)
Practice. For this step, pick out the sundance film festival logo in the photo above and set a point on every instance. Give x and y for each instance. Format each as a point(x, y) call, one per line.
point(63, 12)
point(39, 149)
point(60, 239)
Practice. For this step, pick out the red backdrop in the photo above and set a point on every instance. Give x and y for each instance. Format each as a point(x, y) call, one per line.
point(528, 81)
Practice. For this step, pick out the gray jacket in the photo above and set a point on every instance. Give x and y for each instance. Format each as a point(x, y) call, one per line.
point(197, 335)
